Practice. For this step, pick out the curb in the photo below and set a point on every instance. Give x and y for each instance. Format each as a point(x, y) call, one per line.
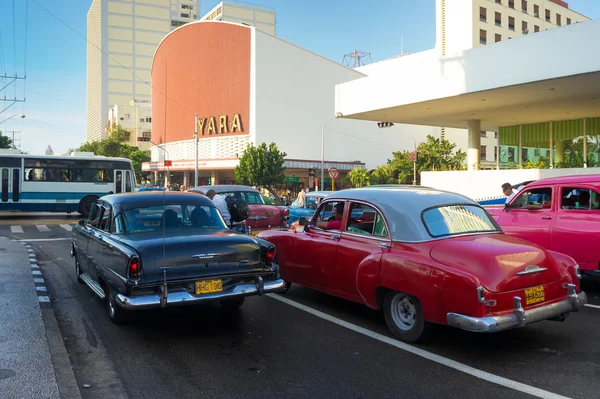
point(63, 371)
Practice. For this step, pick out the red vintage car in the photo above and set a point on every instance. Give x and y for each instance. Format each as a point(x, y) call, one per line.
point(262, 216)
point(561, 214)
point(426, 256)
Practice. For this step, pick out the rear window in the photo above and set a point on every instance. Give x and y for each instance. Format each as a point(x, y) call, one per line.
point(157, 218)
point(248, 196)
point(458, 219)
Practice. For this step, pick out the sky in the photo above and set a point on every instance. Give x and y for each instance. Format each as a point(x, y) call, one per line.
point(52, 56)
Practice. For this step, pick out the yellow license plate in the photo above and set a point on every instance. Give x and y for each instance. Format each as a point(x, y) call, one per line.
point(534, 295)
point(255, 233)
point(208, 286)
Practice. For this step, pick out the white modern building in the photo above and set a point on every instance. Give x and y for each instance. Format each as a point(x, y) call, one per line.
point(122, 38)
point(262, 18)
point(135, 117)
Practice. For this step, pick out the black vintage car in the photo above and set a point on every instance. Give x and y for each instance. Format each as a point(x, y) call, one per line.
point(161, 249)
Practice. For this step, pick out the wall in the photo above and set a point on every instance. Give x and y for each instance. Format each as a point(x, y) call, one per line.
point(96, 94)
point(295, 95)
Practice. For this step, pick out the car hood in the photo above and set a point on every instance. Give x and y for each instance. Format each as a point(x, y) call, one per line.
point(197, 253)
point(265, 216)
point(495, 259)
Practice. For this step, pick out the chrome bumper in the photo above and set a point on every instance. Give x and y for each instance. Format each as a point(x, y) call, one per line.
point(180, 298)
point(519, 317)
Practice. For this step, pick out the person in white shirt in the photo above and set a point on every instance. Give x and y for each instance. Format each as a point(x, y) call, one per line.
point(221, 205)
point(508, 191)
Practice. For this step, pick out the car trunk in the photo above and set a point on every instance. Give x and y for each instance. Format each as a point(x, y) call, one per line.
point(195, 254)
point(496, 259)
point(263, 217)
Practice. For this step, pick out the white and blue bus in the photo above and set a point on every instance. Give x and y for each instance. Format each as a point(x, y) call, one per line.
point(48, 183)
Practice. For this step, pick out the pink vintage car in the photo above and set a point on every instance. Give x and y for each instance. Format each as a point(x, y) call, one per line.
point(561, 214)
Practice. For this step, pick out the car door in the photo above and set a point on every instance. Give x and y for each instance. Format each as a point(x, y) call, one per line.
point(95, 244)
point(576, 229)
point(82, 239)
point(530, 215)
point(362, 244)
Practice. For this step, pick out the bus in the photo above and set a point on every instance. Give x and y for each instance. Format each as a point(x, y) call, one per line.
point(49, 183)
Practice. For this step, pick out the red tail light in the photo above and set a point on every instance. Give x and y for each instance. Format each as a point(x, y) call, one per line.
point(286, 212)
point(134, 269)
point(270, 256)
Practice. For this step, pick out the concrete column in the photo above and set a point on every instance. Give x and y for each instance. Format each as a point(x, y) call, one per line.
point(186, 180)
point(560, 151)
point(473, 156)
point(214, 175)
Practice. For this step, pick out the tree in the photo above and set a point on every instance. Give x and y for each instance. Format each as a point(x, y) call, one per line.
point(383, 174)
point(5, 142)
point(261, 166)
point(359, 177)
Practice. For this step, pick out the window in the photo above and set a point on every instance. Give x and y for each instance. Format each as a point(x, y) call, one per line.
point(511, 154)
point(185, 15)
point(496, 135)
point(558, 20)
point(141, 119)
point(580, 199)
point(499, 1)
point(4, 185)
point(536, 198)
point(95, 215)
point(511, 3)
point(147, 135)
point(537, 152)
point(495, 153)
point(568, 21)
point(365, 220)
point(483, 134)
point(249, 196)
point(511, 23)
point(483, 153)
point(15, 185)
point(172, 216)
point(536, 10)
point(149, 120)
point(326, 213)
point(482, 37)
point(482, 14)
point(524, 154)
point(524, 27)
point(118, 226)
point(524, 6)
point(458, 219)
point(127, 181)
point(105, 222)
point(498, 19)
point(127, 116)
point(118, 182)
point(498, 37)
point(536, 28)
point(187, 7)
point(548, 15)
point(177, 23)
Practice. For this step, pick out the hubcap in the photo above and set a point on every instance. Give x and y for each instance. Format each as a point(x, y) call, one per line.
point(403, 312)
point(77, 271)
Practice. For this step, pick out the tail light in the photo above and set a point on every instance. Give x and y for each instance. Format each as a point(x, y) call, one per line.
point(270, 256)
point(286, 213)
point(134, 269)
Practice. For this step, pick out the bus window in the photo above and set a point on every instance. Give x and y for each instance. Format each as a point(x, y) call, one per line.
point(15, 185)
point(128, 181)
point(118, 182)
point(4, 185)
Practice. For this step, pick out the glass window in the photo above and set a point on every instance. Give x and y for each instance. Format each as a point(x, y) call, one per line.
point(537, 198)
point(4, 185)
point(118, 182)
point(579, 199)
point(173, 216)
point(366, 220)
point(482, 14)
point(15, 185)
point(326, 214)
point(498, 39)
point(105, 222)
point(458, 219)
point(482, 36)
point(248, 196)
point(118, 226)
point(128, 181)
point(483, 153)
point(498, 19)
point(96, 221)
point(511, 3)
point(511, 23)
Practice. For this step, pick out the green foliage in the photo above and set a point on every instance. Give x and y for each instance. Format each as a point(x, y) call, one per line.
point(114, 146)
point(383, 174)
point(261, 166)
point(5, 142)
point(541, 163)
point(359, 177)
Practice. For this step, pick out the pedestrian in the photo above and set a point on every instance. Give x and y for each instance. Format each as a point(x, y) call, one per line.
point(508, 191)
point(221, 205)
point(301, 196)
point(182, 188)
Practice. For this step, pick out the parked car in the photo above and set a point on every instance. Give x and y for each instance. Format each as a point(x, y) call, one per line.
point(157, 250)
point(262, 216)
point(561, 214)
point(426, 256)
point(311, 201)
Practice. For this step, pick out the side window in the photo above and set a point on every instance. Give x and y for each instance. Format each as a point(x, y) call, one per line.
point(579, 198)
point(97, 216)
point(128, 181)
point(93, 213)
point(537, 198)
point(119, 224)
point(118, 182)
point(105, 222)
point(365, 219)
point(325, 212)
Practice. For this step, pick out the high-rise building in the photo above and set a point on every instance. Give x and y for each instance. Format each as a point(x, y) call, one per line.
point(122, 38)
point(262, 18)
point(465, 24)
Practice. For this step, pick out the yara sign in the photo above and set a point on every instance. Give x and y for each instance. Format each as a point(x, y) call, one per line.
point(222, 125)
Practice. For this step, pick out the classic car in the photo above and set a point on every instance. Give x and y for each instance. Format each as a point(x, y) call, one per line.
point(560, 214)
point(157, 250)
point(311, 201)
point(425, 256)
point(262, 216)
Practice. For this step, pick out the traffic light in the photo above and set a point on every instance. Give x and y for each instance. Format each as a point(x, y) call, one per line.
point(384, 124)
point(208, 181)
point(143, 139)
point(311, 172)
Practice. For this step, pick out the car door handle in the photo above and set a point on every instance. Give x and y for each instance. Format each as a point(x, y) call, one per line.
point(335, 237)
point(384, 245)
point(546, 217)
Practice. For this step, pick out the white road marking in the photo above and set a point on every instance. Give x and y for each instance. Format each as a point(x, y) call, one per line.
point(67, 227)
point(483, 375)
point(16, 229)
point(36, 273)
point(38, 280)
point(592, 306)
point(42, 228)
point(45, 239)
point(43, 299)
point(41, 288)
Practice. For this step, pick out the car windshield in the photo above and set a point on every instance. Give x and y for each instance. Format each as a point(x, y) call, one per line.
point(155, 218)
point(458, 219)
point(248, 196)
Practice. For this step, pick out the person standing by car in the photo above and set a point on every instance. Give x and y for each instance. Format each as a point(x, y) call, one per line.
point(508, 191)
point(221, 205)
point(301, 196)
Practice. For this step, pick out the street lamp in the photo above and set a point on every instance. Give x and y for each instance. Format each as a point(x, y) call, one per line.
point(336, 116)
point(19, 115)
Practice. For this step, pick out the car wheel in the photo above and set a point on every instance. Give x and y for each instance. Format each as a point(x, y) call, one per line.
point(287, 283)
point(404, 317)
point(78, 270)
point(232, 304)
point(116, 314)
point(85, 205)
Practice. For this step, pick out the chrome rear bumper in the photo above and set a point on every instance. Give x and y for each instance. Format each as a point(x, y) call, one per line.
point(519, 317)
point(180, 298)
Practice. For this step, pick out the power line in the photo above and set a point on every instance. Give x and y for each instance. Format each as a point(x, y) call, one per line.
point(109, 56)
point(52, 98)
point(55, 128)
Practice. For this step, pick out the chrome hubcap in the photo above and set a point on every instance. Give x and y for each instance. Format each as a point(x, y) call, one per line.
point(403, 312)
point(77, 271)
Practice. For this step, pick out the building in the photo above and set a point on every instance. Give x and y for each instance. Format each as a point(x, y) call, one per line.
point(136, 117)
point(246, 95)
point(262, 18)
point(122, 38)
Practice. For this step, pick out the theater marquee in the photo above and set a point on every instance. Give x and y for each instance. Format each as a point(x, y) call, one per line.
point(222, 125)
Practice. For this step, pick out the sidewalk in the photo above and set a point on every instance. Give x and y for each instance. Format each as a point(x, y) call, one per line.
point(26, 363)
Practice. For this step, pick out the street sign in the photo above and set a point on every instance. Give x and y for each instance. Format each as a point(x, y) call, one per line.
point(412, 156)
point(333, 173)
point(168, 163)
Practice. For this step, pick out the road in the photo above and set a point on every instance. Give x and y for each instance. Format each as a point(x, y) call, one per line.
point(303, 344)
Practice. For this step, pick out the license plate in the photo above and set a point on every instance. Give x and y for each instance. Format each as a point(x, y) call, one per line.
point(255, 233)
point(208, 286)
point(534, 295)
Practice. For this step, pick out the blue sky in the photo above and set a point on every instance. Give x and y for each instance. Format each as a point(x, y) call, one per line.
point(54, 57)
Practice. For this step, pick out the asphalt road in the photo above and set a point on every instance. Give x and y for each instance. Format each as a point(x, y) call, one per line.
point(272, 348)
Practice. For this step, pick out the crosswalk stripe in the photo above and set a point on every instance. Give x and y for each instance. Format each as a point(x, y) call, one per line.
point(42, 228)
point(67, 227)
point(16, 229)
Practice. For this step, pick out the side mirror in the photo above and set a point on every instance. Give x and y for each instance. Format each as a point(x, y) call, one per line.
point(303, 221)
point(81, 222)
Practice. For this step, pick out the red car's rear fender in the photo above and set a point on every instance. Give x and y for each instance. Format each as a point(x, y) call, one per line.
point(367, 279)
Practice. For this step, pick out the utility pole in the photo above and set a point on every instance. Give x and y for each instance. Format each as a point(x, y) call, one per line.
point(196, 137)
point(13, 136)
